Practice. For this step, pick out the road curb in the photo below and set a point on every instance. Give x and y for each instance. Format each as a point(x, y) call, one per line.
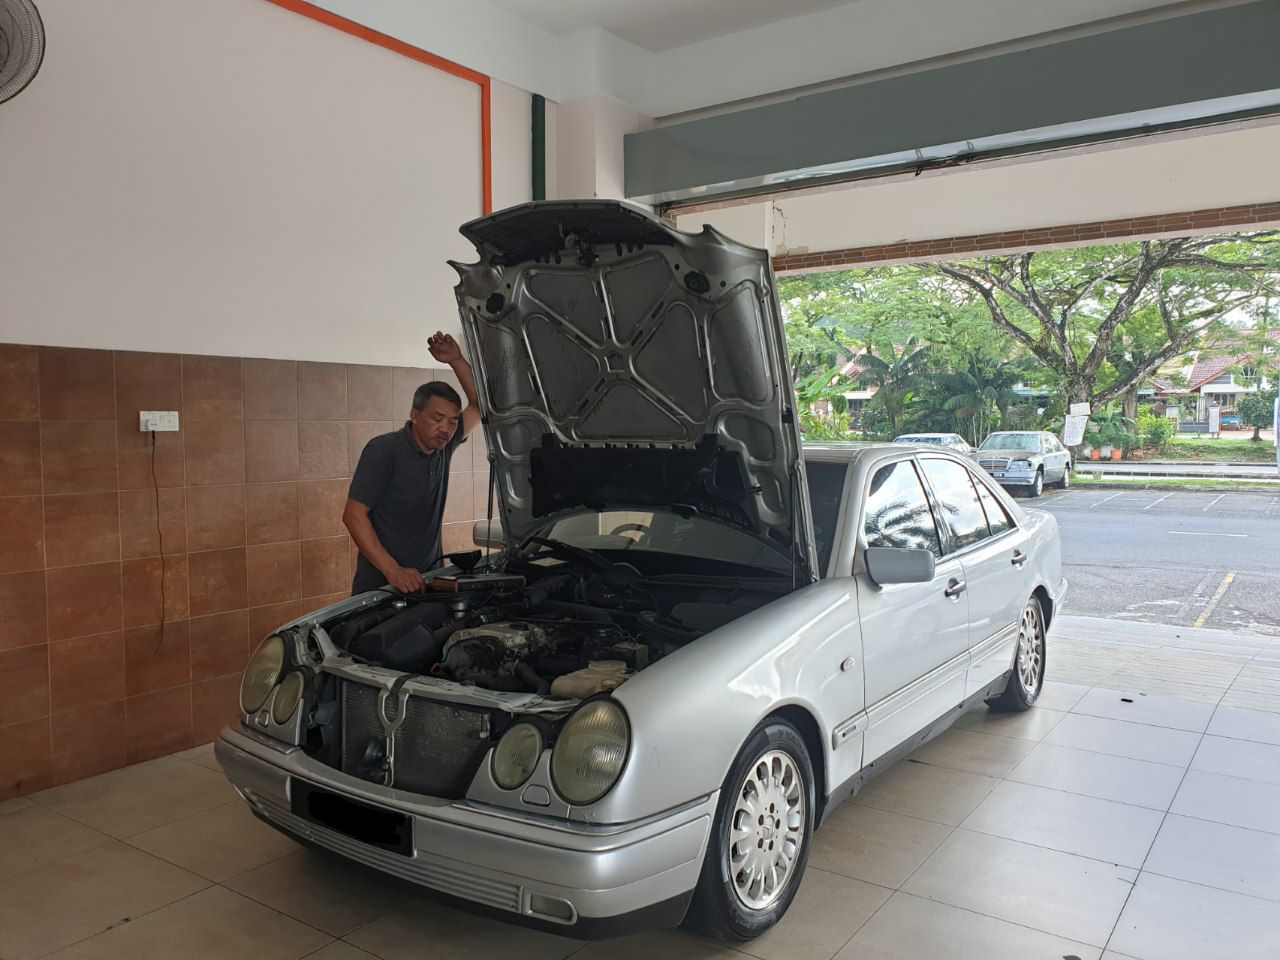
point(1259, 487)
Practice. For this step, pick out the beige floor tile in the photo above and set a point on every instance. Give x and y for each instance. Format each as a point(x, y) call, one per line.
point(214, 924)
point(1174, 920)
point(218, 843)
point(926, 791)
point(13, 805)
point(34, 836)
point(1239, 758)
point(912, 928)
point(1100, 775)
point(1058, 695)
point(405, 932)
point(1086, 826)
point(129, 801)
point(202, 755)
point(1145, 708)
point(1062, 894)
point(983, 753)
point(66, 902)
point(1120, 738)
point(658, 945)
point(874, 845)
point(1031, 724)
point(329, 893)
point(826, 912)
point(1253, 693)
point(1216, 855)
point(340, 950)
point(1260, 726)
point(1241, 803)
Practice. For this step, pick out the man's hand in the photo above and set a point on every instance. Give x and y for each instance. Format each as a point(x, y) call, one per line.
point(444, 348)
point(406, 580)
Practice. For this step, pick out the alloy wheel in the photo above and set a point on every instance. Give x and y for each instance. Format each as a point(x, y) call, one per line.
point(767, 831)
point(1030, 650)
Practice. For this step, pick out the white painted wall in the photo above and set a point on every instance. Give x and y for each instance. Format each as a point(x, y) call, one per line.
point(227, 177)
point(589, 134)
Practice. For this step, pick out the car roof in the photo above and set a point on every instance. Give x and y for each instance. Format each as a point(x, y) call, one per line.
point(908, 435)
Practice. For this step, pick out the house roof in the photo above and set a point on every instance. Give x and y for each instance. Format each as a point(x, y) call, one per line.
point(1211, 367)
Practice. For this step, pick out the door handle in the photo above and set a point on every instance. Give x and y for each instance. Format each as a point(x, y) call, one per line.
point(1019, 558)
point(955, 587)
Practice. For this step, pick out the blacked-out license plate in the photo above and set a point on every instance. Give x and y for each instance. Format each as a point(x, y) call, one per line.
point(387, 829)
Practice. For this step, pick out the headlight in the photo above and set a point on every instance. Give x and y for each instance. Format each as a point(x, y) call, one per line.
point(261, 675)
point(516, 755)
point(287, 697)
point(590, 752)
point(1020, 465)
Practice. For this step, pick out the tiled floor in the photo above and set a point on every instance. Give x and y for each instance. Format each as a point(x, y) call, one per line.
point(1134, 814)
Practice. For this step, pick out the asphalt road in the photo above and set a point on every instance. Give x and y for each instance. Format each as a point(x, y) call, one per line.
point(1189, 558)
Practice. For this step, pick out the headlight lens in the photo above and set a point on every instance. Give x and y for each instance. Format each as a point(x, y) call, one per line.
point(516, 755)
point(287, 697)
point(261, 675)
point(590, 752)
point(1020, 465)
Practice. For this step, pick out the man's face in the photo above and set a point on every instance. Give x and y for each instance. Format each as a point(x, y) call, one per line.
point(435, 423)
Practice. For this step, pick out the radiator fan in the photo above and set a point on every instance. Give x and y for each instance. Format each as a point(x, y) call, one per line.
point(21, 46)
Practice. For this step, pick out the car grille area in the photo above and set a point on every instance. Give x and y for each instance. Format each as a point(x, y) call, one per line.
point(990, 464)
point(436, 747)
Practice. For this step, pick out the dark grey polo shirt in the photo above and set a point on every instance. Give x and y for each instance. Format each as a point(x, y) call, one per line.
point(405, 491)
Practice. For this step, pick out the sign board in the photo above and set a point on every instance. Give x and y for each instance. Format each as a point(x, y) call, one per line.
point(1073, 431)
point(1215, 418)
point(1080, 410)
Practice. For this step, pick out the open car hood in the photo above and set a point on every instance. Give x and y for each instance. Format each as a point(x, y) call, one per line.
point(624, 364)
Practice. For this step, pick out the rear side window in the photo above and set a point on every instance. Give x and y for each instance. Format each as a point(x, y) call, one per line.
point(897, 512)
point(998, 518)
point(826, 483)
point(961, 511)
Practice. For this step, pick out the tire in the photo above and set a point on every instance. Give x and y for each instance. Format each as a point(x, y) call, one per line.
point(1065, 482)
point(1026, 679)
point(771, 776)
point(1037, 485)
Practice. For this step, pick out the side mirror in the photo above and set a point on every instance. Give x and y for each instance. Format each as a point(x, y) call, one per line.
point(488, 534)
point(886, 565)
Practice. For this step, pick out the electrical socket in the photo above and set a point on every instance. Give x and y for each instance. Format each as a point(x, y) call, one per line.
point(158, 420)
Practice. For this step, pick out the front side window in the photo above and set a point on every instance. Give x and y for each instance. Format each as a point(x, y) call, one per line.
point(961, 511)
point(897, 511)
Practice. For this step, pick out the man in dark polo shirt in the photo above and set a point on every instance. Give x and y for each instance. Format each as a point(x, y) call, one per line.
point(396, 502)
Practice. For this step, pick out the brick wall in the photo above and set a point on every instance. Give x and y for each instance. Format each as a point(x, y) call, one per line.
point(250, 495)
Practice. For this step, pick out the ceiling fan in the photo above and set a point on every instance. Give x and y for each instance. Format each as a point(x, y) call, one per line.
point(21, 46)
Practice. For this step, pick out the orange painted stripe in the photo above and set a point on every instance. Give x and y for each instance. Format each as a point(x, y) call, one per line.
point(481, 80)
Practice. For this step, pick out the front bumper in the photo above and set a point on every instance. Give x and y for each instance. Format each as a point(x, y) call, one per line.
point(579, 879)
point(1013, 478)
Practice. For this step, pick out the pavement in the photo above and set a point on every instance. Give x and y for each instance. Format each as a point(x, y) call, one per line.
point(1178, 468)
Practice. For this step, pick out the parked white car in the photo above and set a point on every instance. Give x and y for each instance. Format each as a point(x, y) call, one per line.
point(693, 640)
point(952, 441)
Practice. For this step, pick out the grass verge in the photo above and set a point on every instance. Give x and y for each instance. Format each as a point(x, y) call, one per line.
point(1219, 450)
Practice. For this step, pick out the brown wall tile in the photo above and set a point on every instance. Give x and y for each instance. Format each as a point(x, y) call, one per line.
point(320, 506)
point(274, 573)
point(214, 703)
point(217, 581)
point(142, 590)
point(81, 528)
point(405, 381)
point(215, 517)
point(88, 741)
point(214, 452)
point(361, 432)
point(78, 456)
point(23, 620)
point(24, 684)
point(20, 458)
point(139, 534)
point(264, 620)
point(456, 537)
point(77, 384)
point(134, 457)
point(370, 392)
point(158, 724)
point(147, 381)
point(155, 658)
point(326, 567)
point(220, 645)
point(83, 600)
point(271, 512)
point(463, 495)
point(25, 758)
point(271, 451)
point(322, 391)
point(19, 382)
point(322, 450)
point(270, 390)
point(211, 388)
point(86, 671)
point(22, 545)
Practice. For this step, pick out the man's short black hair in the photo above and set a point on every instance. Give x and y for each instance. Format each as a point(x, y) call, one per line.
point(436, 388)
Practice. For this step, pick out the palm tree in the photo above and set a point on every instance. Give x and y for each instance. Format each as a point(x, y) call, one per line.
point(981, 392)
point(893, 371)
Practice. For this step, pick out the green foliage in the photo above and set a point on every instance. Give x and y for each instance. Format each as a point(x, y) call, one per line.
point(1257, 410)
point(1154, 431)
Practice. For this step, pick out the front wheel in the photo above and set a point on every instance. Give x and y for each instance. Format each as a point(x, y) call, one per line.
point(1037, 485)
point(759, 843)
point(1027, 677)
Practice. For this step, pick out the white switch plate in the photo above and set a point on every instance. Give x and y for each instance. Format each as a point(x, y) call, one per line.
point(158, 420)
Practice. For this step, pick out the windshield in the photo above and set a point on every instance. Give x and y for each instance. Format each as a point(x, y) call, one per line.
point(918, 440)
point(1012, 441)
point(661, 531)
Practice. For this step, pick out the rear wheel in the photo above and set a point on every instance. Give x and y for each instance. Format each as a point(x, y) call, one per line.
point(1027, 678)
point(1065, 482)
point(759, 843)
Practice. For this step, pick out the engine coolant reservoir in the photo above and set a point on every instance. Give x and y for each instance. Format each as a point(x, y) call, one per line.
point(599, 675)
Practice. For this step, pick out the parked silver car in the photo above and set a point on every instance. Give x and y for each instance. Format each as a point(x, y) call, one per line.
point(952, 441)
point(691, 642)
point(1026, 459)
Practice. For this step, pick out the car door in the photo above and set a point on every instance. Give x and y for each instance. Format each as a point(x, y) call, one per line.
point(1055, 459)
point(915, 635)
point(992, 550)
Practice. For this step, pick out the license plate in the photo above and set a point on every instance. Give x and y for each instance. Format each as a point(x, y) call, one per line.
point(388, 829)
point(998, 475)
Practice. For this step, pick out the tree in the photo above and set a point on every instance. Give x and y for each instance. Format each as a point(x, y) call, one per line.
point(893, 371)
point(981, 393)
point(1103, 318)
point(1257, 410)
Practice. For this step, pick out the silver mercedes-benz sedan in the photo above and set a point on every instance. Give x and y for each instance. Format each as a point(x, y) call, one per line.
point(691, 638)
